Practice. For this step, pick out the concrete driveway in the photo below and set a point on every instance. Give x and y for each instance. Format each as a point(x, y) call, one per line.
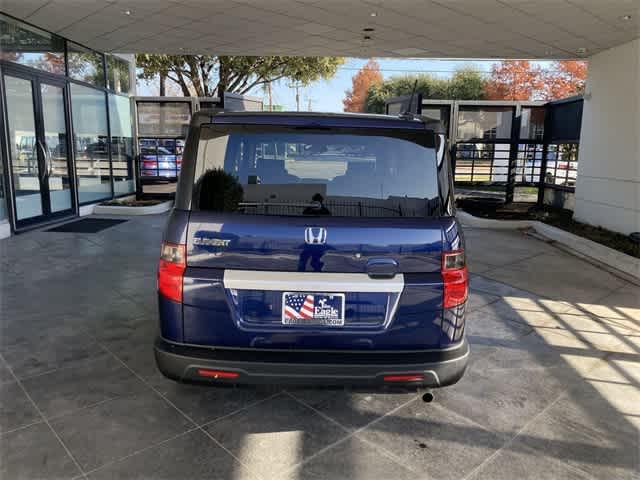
point(552, 390)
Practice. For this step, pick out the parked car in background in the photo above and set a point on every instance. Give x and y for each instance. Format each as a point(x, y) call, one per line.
point(313, 249)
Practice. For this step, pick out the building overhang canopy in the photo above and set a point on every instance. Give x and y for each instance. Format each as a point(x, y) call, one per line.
point(354, 28)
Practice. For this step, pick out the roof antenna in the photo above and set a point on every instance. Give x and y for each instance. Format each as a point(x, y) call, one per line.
point(408, 113)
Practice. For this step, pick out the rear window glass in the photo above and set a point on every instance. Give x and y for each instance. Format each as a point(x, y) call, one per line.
point(363, 173)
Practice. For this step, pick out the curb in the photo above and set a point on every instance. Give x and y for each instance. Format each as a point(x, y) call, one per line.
point(609, 258)
point(477, 222)
point(150, 210)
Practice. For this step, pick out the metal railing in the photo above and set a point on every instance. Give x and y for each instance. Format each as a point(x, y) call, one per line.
point(562, 165)
point(481, 162)
point(498, 146)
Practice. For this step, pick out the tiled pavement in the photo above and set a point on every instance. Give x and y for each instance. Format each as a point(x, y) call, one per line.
point(552, 390)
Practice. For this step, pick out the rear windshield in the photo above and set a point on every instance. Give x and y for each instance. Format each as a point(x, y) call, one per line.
point(278, 171)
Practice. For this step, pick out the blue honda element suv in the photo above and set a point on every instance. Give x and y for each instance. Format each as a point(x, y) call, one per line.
point(313, 249)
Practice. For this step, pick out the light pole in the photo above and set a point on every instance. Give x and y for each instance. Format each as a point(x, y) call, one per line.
point(297, 85)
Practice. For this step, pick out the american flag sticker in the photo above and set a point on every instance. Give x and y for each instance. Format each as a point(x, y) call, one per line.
point(312, 308)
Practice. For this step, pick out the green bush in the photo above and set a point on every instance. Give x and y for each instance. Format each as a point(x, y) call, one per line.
point(465, 84)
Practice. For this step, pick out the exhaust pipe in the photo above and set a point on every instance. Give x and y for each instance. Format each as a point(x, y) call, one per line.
point(427, 397)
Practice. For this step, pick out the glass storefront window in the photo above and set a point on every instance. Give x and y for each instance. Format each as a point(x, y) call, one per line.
point(484, 122)
point(163, 118)
point(3, 196)
point(23, 146)
point(532, 123)
point(55, 146)
point(440, 113)
point(85, 64)
point(118, 75)
point(30, 46)
point(89, 112)
point(121, 144)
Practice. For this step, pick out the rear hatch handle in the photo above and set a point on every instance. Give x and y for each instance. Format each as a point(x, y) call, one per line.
point(382, 267)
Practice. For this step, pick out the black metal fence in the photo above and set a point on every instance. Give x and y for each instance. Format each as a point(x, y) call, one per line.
point(508, 149)
point(563, 121)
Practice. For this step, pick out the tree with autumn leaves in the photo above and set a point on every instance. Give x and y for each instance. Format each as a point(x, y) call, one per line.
point(508, 80)
point(368, 75)
point(568, 78)
point(513, 80)
point(520, 80)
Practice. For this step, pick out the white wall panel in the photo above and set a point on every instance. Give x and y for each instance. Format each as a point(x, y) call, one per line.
point(608, 183)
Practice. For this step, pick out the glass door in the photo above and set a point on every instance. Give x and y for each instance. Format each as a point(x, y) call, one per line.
point(38, 126)
point(55, 144)
point(24, 151)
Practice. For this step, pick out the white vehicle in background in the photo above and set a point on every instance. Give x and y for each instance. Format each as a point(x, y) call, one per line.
point(562, 165)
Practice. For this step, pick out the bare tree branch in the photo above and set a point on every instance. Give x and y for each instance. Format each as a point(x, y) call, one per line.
point(179, 80)
point(260, 82)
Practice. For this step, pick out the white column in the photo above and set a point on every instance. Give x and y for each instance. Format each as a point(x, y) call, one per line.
point(608, 182)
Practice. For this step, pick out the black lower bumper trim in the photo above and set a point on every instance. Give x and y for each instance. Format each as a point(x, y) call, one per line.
point(252, 366)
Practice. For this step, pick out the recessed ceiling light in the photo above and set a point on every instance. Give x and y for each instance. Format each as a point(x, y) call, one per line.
point(625, 18)
point(126, 12)
point(368, 29)
point(373, 14)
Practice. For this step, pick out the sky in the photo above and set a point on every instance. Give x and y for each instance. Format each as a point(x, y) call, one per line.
point(327, 95)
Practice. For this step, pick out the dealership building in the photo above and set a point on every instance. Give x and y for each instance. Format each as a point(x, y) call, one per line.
point(67, 125)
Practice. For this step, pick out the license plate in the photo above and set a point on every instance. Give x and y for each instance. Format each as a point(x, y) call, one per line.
point(313, 309)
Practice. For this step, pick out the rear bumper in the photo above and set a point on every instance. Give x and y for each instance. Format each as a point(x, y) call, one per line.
point(438, 368)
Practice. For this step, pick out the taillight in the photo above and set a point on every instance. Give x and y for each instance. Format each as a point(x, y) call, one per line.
point(205, 372)
point(455, 277)
point(411, 377)
point(173, 262)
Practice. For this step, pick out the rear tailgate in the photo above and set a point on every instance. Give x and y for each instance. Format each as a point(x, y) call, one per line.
point(239, 266)
point(248, 242)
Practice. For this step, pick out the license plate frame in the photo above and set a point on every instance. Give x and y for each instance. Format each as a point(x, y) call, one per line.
point(322, 314)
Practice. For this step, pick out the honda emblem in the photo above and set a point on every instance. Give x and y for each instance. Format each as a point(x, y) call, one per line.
point(315, 235)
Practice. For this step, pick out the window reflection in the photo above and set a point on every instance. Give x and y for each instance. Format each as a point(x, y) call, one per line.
point(91, 143)
point(23, 147)
point(118, 76)
point(31, 46)
point(3, 198)
point(163, 118)
point(85, 64)
point(121, 144)
point(484, 122)
point(440, 113)
point(285, 172)
point(55, 147)
point(453, 323)
point(532, 123)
